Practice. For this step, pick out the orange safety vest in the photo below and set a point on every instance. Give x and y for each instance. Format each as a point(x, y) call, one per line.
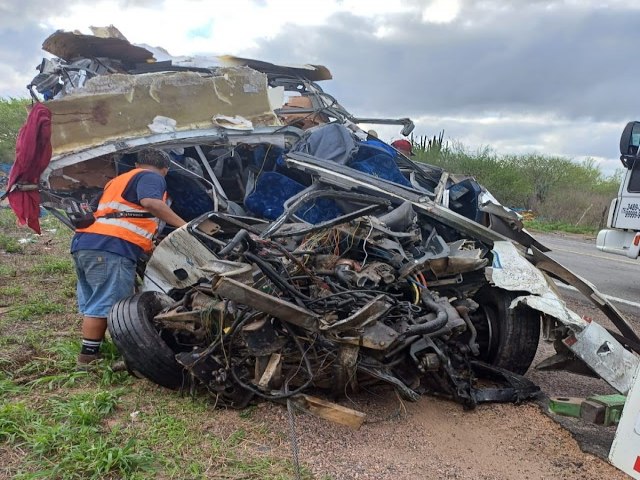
point(137, 230)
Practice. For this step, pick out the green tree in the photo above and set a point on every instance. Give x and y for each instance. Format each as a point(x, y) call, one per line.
point(13, 113)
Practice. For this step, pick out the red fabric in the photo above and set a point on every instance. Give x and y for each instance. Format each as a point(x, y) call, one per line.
point(404, 146)
point(33, 153)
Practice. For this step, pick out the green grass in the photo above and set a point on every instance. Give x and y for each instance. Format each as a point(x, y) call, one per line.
point(80, 436)
point(63, 432)
point(54, 367)
point(65, 437)
point(549, 226)
point(36, 306)
point(8, 387)
point(11, 291)
point(79, 425)
point(56, 357)
point(248, 413)
point(52, 225)
point(9, 244)
point(53, 266)
point(7, 219)
point(7, 271)
point(68, 286)
point(175, 433)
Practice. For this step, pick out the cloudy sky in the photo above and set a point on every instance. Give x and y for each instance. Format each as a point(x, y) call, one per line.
point(556, 77)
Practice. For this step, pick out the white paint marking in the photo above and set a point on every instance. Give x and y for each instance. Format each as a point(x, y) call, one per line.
point(608, 297)
point(584, 254)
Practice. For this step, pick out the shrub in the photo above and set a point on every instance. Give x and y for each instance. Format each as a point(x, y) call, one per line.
point(555, 188)
point(13, 113)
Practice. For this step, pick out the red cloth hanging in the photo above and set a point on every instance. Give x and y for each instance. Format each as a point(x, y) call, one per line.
point(33, 153)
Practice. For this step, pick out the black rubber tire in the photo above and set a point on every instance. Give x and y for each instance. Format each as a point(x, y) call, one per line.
point(508, 338)
point(143, 349)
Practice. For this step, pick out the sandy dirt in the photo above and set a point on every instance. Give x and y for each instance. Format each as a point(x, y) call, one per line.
point(435, 438)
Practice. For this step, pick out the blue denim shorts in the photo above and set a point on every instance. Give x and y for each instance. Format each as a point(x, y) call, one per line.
point(103, 279)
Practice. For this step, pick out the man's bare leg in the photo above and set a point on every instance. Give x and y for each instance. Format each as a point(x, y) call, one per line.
point(93, 330)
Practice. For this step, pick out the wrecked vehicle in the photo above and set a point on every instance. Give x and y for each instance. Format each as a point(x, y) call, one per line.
point(315, 257)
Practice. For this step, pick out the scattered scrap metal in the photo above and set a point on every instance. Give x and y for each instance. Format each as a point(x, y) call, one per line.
point(317, 258)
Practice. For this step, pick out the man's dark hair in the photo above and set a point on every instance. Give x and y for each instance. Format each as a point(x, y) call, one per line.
point(154, 158)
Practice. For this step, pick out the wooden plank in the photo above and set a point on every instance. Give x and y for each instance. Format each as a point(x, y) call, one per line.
point(329, 411)
point(593, 412)
point(271, 373)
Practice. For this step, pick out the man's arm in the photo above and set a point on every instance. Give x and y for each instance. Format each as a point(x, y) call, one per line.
point(162, 211)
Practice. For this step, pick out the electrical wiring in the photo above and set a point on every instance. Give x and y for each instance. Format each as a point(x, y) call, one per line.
point(364, 246)
point(305, 358)
point(416, 293)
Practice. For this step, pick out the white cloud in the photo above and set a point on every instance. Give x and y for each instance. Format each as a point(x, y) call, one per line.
point(441, 11)
point(200, 26)
point(10, 79)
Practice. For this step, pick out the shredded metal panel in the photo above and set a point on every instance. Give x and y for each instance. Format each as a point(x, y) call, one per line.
point(70, 46)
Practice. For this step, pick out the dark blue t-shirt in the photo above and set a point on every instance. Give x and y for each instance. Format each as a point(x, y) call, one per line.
point(146, 184)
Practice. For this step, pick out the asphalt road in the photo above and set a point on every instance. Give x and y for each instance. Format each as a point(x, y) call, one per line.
point(614, 275)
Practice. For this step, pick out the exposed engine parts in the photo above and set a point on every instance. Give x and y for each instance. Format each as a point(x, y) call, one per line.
point(335, 309)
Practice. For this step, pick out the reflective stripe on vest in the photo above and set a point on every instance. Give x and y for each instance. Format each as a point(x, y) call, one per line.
point(120, 207)
point(126, 225)
point(139, 231)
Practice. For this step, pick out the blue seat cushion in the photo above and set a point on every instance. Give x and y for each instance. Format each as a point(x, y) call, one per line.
point(273, 189)
point(377, 161)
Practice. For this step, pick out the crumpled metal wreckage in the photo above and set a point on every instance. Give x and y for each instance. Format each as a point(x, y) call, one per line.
point(316, 258)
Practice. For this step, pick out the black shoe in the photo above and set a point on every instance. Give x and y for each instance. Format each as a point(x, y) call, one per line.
point(86, 361)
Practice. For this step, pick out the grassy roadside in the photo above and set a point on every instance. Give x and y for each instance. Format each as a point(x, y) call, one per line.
point(549, 226)
point(57, 423)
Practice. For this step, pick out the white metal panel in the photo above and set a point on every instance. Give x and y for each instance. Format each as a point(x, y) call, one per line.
point(604, 355)
point(511, 271)
point(179, 251)
point(628, 212)
point(619, 242)
point(612, 211)
point(625, 451)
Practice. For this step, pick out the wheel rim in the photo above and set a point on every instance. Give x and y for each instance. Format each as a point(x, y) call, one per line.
point(485, 319)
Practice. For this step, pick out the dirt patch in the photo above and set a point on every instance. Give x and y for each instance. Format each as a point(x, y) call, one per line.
point(10, 461)
point(580, 237)
point(434, 438)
